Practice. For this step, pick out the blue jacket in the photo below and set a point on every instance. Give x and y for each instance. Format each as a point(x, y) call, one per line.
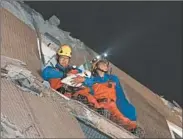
point(126, 108)
point(58, 71)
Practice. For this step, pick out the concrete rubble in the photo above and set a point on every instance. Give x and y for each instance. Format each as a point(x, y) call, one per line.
point(9, 130)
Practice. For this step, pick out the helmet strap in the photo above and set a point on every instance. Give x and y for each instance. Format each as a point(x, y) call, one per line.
point(101, 70)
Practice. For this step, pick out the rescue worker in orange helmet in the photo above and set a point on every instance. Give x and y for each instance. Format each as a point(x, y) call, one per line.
point(61, 69)
point(109, 94)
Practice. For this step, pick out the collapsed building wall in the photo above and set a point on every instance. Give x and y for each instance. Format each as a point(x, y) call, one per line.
point(34, 116)
point(19, 41)
point(151, 111)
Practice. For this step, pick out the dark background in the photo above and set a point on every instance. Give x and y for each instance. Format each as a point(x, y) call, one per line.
point(143, 38)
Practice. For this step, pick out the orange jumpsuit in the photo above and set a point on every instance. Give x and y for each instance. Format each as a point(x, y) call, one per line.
point(106, 97)
point(86, 92)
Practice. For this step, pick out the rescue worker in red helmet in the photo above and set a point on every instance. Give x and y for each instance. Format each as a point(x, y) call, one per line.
point(109, 94)
point(61, 69)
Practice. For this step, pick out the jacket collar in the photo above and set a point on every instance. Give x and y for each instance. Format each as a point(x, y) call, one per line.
point(61, 68)
point(105, 78)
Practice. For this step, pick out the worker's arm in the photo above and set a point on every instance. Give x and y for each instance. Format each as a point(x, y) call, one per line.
point(122, 103)
point(50, 73)
point(55, 83)
point(89, 81)
point(119, 89)
point(85, 80)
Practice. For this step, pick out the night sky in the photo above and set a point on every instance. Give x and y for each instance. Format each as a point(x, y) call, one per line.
point(143, 38)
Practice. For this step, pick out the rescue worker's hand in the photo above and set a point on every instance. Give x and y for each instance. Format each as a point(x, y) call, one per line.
point(69, 74)
point(78, 79)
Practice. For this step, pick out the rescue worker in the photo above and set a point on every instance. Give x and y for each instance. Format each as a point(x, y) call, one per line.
point(61, 69)
point(109, 94)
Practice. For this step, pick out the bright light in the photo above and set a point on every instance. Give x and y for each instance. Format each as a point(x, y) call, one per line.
point(105, 54)
point(98, 57)
point(74, 66)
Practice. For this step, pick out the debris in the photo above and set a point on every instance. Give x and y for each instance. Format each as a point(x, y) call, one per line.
point(22, 78)
point(172, 106)
point(54, 21)
point(46, 84)
point(139, 132)
point(176, 104)
point(9, 130)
